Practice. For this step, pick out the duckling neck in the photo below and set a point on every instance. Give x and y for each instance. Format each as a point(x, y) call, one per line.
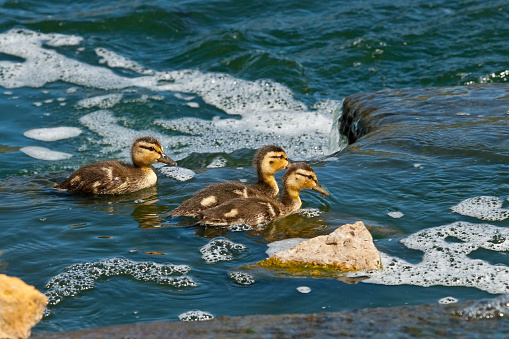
point(267, 184)
point(291, 200)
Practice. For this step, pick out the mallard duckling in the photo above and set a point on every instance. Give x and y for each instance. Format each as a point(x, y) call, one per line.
point(115, 177)
point(258, 211)
point(267, 161)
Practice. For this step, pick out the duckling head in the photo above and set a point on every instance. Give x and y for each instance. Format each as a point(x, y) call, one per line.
point(270, 159)
point(300, 176)
point(147, 150)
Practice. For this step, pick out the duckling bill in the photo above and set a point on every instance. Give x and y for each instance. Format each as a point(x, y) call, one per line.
point(115, 177)
point(268, 160)
point(258, 211)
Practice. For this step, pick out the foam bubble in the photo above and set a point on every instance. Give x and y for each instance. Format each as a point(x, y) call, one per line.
point(242, 278)
point(177, 173)
point(304, 289)
point(80, 277)
point(282, 245)
point(448, 300)
point(310, 212)
point(446, 262)
point(487, 309)
point(195, 315)
point(102, 101)
point(217, 162)
point(240, 228)
point(395, 215)
point(221, 249)
point(114, 60)
point(43, 153)
point(52, 134)
point(483, 207)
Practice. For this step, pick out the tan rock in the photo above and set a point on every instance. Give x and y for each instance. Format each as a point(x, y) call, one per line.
point(348, 248)
point(21, 307)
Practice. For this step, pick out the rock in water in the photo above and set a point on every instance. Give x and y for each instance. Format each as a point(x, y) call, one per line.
point(21, 307)
point(349, 248)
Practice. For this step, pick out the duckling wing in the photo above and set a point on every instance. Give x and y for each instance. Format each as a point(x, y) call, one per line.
point(250, 211)
point(108, 177)
point(212, 196)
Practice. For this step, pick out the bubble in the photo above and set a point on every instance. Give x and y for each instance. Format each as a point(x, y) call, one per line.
point(483, 207)
point(240, 228)
point(195, 315)
point(242, 278)
point(221, 249)
point(446, 262)
point(486, 309)
point(310, 212)
point(52, 134)
point(177, 173)
point(43, 153)
point(81, 277)
point(304, 289)
point(395, 215)
point(448, 300)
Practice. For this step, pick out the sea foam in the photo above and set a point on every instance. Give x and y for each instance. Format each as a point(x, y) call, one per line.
point(483, 207)
point(52, 134)
point(268, 111)
point(447, 262)
point(43, 153)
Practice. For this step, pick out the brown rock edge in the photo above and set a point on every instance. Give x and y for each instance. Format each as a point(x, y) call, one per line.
point(21, 307)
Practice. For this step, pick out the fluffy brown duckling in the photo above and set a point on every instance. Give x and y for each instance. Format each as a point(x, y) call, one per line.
point(259, 211)
point(268, 160)
point(115, 177)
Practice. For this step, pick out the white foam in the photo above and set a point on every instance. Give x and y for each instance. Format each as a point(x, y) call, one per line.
point(282, 245)
point(80, 277)
point(447, 263)
point(242, 278)
point(483, 207)
point(102, 101)
point(304, 289)
point(310, 212)
point(395, 215)
point(268, 111)
point(486, 309)
point(221, 249)
point(43, 153)
point(217, 162)
point(52, 134)
point(448, 300)
point(195, 315)
point(177, 173)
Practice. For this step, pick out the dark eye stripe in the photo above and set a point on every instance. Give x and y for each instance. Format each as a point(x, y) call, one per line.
point(278, 156)
point(310, 177)
point(150, 148)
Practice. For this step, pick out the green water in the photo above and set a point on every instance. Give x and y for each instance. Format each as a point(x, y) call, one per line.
point(214, 80)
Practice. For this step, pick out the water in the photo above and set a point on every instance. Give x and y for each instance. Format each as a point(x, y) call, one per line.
point(214, 81)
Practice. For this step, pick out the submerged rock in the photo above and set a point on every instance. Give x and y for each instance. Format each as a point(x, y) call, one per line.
point(349, 248)
point(21, 307)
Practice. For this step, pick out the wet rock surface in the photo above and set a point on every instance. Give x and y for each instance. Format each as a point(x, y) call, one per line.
point(430, 320)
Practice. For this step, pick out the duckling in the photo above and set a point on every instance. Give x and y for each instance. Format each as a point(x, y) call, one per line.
point(267, 160)
point(259, 211)
point(115, 177)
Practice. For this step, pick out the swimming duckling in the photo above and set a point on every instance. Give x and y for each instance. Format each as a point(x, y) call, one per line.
point(268, 160)
point(258, 211)
point(115, 177)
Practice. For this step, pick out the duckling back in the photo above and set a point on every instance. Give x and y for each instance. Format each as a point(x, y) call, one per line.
point(109, 177)
point(214, 195)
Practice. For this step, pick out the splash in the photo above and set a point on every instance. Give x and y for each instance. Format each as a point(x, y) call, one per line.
point(81, 277)
point(195, 315)
point(268, 111)
point(447, 262)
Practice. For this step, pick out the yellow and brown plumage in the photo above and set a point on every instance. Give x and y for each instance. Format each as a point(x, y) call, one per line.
point(267, 161)
point(259, 211)
point(115, 177)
